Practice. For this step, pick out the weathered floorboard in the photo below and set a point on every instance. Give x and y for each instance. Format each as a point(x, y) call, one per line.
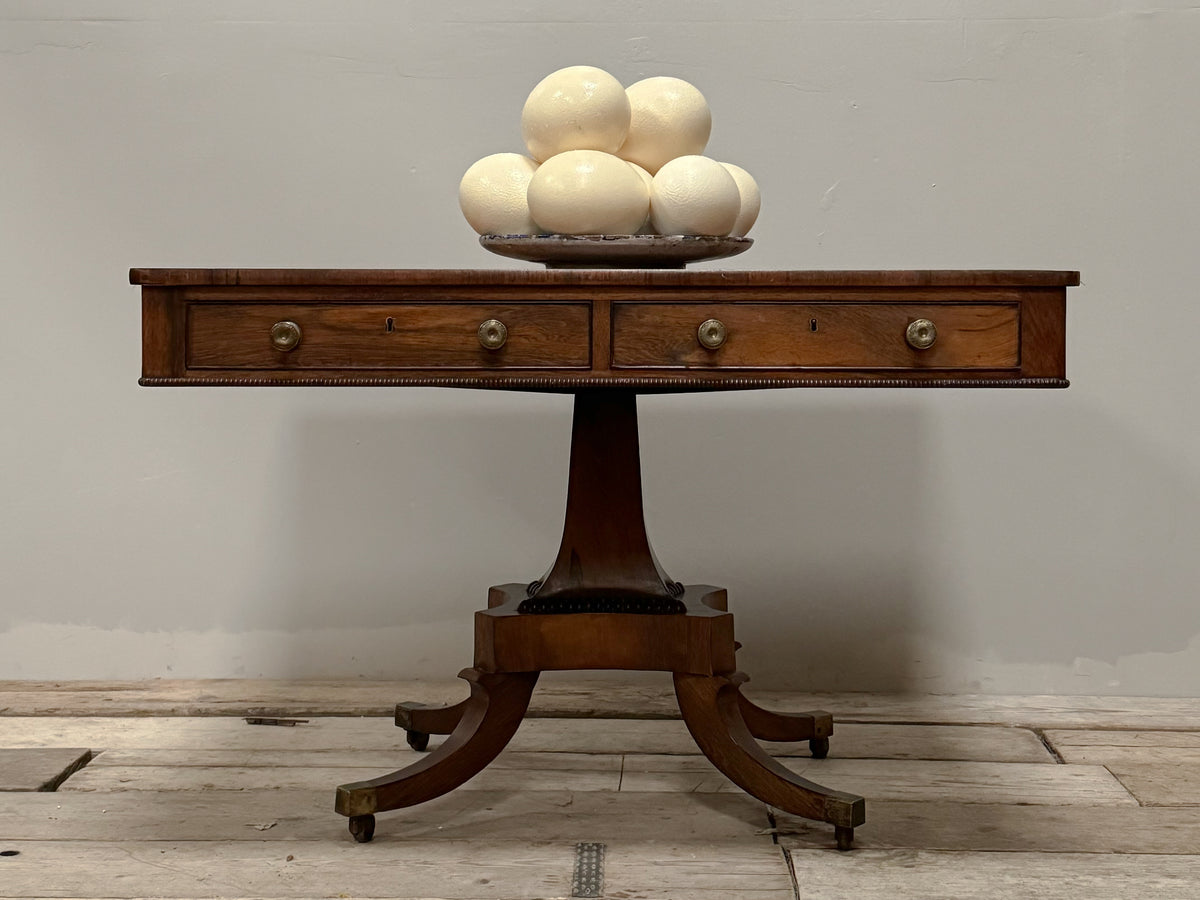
point(1138, 747)
point(674, 870)
point(635, 697)
point(202, 732)
point(887, 874)
point(1160, 768)
point(1160, 784)
point(119, 735)
point(883, 779)
point(250, 759)
point(40, 769)
point(497, 869)
point(595, 736)
point(878, 779)
point(308, 816)
point(944, 825)
point(1037, 711)
point(455, 870)
point(510, 771)
point(954, 824)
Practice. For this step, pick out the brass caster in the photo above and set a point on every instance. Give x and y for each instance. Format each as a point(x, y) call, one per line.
point(845, 837)
point(418, 740)
point(819, 747)
point(362, 827)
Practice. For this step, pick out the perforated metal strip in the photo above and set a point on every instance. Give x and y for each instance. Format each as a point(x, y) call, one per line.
point(588, 879)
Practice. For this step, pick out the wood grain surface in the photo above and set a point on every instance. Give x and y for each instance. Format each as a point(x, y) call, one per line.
point(630, 277)
point(570, 330)
point(212, 806)
point(399, 336)
point(611, 697)
point(179, 740)
point(821, 335)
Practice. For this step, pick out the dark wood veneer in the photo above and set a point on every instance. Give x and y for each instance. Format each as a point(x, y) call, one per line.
point(599, 277)
point(616, 329)
point(834, 335)
point(397, 336)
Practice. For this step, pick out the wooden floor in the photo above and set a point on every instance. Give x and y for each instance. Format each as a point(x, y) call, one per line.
point(162, 789)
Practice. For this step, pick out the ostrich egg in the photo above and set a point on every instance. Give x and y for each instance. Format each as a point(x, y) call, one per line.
point(693, 195)
point(668, 118)
point(492, 194)
point(751, 199)
point(647, 179)
point(588, 192)
point(576, 108)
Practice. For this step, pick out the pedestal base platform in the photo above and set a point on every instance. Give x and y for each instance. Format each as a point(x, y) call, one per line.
point(697, 647)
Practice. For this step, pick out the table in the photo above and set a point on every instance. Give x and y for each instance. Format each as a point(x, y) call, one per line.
point(604, 336)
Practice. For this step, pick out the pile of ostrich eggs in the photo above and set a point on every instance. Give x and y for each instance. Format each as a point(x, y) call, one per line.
point(604, 159)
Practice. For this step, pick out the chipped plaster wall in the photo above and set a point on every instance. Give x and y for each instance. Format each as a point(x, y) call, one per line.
point(940, 541)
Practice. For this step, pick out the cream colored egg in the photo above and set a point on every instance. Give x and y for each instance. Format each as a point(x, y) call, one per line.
point(588, 192)
point(493, 194)
point(668, 118)
point(694, 195)
point(751, 200)
point(576, 108)
point(647, 179)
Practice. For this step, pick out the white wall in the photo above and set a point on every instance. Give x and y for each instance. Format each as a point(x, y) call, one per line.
point(997, 541)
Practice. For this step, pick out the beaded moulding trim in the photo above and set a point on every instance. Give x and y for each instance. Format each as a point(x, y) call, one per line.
point(569, 383)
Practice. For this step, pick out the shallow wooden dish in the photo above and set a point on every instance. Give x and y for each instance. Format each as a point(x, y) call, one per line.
point(614, 251)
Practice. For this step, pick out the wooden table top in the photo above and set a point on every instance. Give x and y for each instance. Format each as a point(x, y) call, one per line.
point(616, 277)
point(572, 329)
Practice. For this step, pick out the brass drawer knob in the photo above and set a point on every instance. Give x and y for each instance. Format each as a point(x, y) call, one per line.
point(712, 333)
point(921, 334)
point(285, 336)
point(492, 334)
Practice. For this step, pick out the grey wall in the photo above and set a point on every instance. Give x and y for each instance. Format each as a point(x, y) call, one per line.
point(939, 541)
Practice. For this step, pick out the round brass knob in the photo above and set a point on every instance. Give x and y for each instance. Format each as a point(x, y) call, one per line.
point(285, 336)
point(712, 333)
point(921, 334)
point(492, 334)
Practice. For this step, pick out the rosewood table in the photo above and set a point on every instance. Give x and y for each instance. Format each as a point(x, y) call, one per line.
point(604, 336)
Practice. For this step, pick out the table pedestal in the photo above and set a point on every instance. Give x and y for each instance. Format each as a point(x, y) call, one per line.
point(606, 603)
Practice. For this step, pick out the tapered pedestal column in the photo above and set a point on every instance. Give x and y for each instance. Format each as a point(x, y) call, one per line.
point(606, 603)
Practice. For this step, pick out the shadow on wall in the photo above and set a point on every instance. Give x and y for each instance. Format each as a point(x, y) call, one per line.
point(849, 543)
point(406, 519)
point(891, 559)
point(817, 520)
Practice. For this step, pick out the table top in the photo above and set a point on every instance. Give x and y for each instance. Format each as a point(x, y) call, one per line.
point(615, 277)
point(575, 329)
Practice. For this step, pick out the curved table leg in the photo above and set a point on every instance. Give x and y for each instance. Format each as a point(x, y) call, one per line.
point(420, 721)
point(768, 725)
point(490, 717)
point(712, 712)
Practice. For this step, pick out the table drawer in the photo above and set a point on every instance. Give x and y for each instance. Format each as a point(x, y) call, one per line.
point(387, 336)
point(815, 335)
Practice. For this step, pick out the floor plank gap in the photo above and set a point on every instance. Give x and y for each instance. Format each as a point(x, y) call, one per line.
point(1041, 736)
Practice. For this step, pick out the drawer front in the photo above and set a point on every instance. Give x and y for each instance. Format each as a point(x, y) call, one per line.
point(388, 336)
point(816, 335)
